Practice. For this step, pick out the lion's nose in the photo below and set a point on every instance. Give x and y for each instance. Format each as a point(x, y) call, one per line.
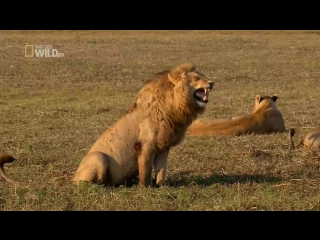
point(211, 85)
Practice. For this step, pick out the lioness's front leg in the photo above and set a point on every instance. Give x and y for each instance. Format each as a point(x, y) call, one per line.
point(160, 166)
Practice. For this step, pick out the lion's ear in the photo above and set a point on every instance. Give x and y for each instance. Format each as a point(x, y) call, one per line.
point(173, 79)
point(179, 72)
point(258, 98)
point(274, 97)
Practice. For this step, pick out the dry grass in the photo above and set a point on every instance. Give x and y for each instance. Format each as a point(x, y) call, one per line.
point(52, 110)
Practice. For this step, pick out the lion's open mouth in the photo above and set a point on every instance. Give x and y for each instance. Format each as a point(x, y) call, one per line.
point(202, 95)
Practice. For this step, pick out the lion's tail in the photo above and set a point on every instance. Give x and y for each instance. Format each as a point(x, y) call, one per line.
point(3, 160)
point(292, 132)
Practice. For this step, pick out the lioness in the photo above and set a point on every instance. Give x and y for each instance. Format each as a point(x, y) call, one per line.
point(311, 140)
point(219, 120)
point(3, 160)
point(265, 118)
point(156, 121)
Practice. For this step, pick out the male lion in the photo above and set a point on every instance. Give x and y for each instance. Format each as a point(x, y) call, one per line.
point(311, 140)
point(265, 119)
point(156, 121)
point(3, 160)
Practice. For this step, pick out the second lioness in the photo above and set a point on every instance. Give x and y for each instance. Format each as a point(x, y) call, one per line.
point(310, 141)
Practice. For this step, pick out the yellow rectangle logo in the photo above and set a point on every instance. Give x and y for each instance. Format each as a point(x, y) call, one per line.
point(28, 50)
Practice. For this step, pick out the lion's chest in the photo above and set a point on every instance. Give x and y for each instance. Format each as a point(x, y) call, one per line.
point(169, 137)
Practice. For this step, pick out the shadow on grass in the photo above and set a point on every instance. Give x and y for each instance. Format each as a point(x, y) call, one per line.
point(186, 179)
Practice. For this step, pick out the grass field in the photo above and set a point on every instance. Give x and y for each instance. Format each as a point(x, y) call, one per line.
point(53, 109)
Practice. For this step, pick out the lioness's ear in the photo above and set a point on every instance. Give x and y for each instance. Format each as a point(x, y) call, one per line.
point(179, 72)
point(274, 97)
point(258, 98)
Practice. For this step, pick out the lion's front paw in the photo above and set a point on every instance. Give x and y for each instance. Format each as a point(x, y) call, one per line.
point(161, 183)
point(144, 183)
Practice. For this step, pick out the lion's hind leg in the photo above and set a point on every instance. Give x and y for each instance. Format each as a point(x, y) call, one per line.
point(92, 169)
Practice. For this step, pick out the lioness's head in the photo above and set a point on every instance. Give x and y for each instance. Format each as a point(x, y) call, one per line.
point(266, 100)
point(197, 84)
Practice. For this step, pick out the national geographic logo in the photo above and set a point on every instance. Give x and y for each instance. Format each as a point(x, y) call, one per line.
point(41, 51)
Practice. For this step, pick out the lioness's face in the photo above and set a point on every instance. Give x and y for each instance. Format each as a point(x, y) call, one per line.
point(201, 86)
